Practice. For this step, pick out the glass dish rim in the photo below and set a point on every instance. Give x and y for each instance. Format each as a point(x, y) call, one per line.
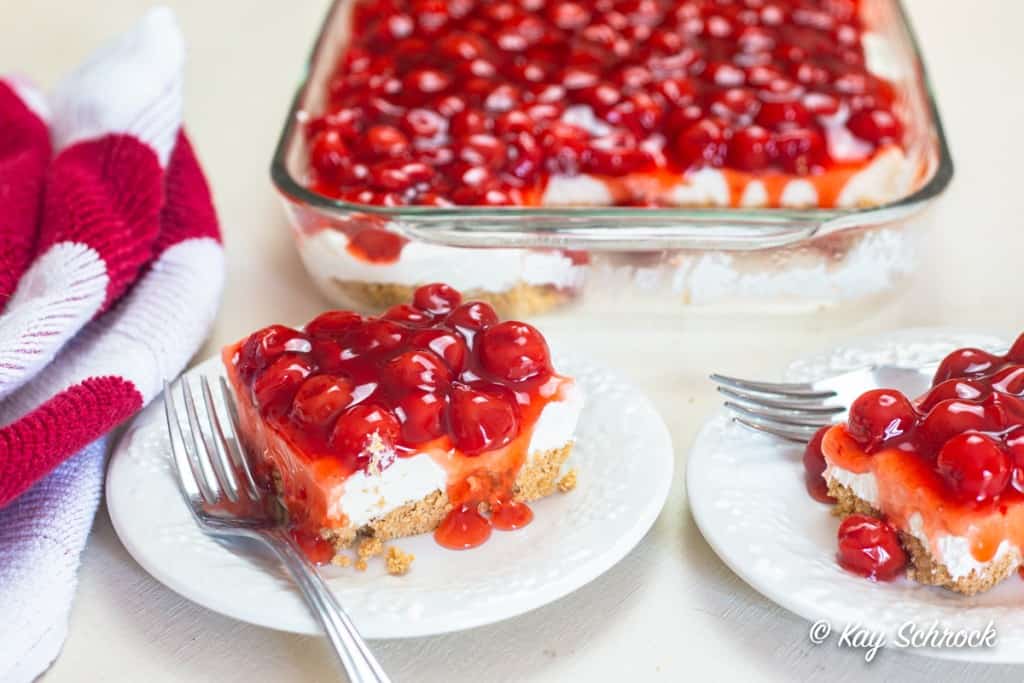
point(707, 218)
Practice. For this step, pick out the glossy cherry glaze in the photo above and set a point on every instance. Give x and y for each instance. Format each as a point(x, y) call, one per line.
point(436, 377)
point(480, 103)
point(955, 456)
point(870, 547)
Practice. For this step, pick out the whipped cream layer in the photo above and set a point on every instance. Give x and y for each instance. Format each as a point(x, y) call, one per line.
point(327, 256)
point(953, 551)
point(368, 496)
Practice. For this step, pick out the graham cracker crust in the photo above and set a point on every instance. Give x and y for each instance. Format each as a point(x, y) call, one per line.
point(522, 299)
point(538, 478)
point(922, 566)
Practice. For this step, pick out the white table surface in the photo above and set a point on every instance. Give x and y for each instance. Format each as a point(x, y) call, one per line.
point(671, 609)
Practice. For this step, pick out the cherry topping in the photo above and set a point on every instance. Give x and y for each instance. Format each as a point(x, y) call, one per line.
point(404, 313)
point(1014, 440)
point(321, 398)
point(378, 335)
point(472, 317)
point(814, 467)
point(480, 421)
point(975, 466)
point(265, 346)
point(963, 363)
point(463, 528)
point(437, 298)
point(469, 101)
point(514, 351)
point(354, 432)
point(1016, 352)
point(955, 416)
point(448, 345)
point(277, 385)
point(416, 370)
point(875, 125)
point(879, 416)
point(333, 324)
point(422, 414)
point(871, 548)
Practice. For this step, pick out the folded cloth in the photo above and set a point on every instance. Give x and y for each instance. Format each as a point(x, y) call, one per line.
point(112, 271)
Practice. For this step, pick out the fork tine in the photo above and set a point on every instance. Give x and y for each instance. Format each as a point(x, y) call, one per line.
point(200, 461)
point(796, 434)
point(238, 454)
point(782, 419)
point(221, 465)
point(179, 453)
point(809, 406)
point(783, 389)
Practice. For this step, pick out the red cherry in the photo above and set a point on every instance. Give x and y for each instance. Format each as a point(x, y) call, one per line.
point(408, 315)
point(1016, 352)
point(514, 351)
point(276, 386)
point(422, 414)
point(569, 16)
point(461, 45)
point(875, 126)
point(871, 548)
point(964, 363)
point(321, 398)
point(481, 149)
point(333, 324)
point(782, 115)
point(353, 432)
point(386, 141)
point(376, 245)
point(1009, 380)
point(480, 421)
point(1014, 440)
point(880, 416)
point(967, 390)
point(448, 345)
point(975, 466)
point(472, 316)
point(426, 81)
point(1007, 409)
point(814, 467)
point(437, 298)
point(702, 144)
point(800, 150)
point(378, 336)
point(735, 104)
point(263, 347)
point(328, 153)
point(615, 154)
point(750, 148)
point(416, 370)
point(955, 416)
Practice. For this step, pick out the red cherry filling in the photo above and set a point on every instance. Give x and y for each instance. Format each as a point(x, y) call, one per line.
point(975, 466)
point(355, 431)
point(963, 363)
point(879, 416)
point(436, 377)
point(265, 346)
point(814, 467)
point(478, 103)
point(437, 298)
point(514, 351)
point(321, 398)
point(871, 548)
point(480, 421)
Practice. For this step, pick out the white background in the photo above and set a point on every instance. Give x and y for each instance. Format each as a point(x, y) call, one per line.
point(671, 610)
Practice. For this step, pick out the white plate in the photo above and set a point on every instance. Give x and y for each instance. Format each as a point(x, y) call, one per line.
point(624, 460)
point(746, 491)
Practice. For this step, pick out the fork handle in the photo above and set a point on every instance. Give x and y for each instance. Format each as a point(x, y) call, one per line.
point(360, 664)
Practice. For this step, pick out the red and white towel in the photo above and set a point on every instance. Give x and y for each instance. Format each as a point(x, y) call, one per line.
point(111, 270)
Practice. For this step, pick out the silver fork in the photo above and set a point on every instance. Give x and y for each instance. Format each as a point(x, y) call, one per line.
point(796, 410)
point(214, 474)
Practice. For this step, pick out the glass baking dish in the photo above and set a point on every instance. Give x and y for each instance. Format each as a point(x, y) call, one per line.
point(533, 260)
